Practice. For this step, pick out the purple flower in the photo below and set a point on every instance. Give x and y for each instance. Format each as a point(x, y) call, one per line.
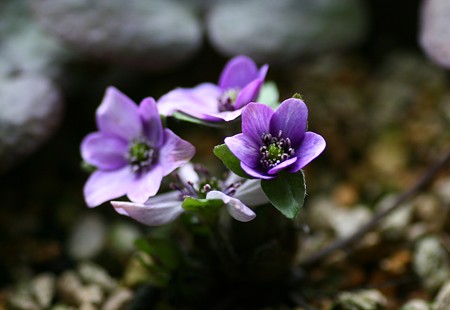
point(235, 192)
point(131, 150)
point(274, 141)
point(239, 84)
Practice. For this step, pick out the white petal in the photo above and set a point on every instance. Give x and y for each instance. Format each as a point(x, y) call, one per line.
point(188, 174)
point(235, 207)
point(251, 194)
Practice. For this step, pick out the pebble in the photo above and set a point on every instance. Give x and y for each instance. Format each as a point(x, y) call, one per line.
point(88, 237)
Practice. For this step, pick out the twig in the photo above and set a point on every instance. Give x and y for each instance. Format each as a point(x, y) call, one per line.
point(422, 183)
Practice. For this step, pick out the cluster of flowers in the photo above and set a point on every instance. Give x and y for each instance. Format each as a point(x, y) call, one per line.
point(132, 152)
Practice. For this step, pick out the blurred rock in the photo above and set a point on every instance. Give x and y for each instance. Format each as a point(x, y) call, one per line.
point(431, 263)
point(151, 35)
point(361, 300)
point(442, 300)
point(430, 210)
point(442, 189)
point(31, 109)
point(281, 31)
point(68, 285)
point(24, 46)
point(119, 299)
point(94, 274)
point(87, 238)
point(43, 289)
point(416, 304)
point(395, 225)
point(121, 237)
point(434, 35)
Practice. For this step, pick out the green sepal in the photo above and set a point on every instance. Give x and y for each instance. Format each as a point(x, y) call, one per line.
point(269, 95)
point(87, 167)
point(229, 160)
point(286, 192)
point(201, 205)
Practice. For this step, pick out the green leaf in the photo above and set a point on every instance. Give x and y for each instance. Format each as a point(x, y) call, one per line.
point(229, 160)
point(286, 192)
point(269, 95)
point(201, 205)
point(163, 251)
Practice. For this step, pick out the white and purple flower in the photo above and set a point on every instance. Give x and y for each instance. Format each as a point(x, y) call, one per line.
point(131, 151)
point(239, 84)
point(235, 192)
point(272, 141)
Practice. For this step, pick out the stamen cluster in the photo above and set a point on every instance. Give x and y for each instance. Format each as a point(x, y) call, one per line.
point(140, 155)
point(275, 150)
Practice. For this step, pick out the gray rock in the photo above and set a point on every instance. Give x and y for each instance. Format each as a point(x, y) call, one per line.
point(88, 237)
point(434, 31)
point(68, 285)
point(94, 274)
point(395, 225)
point(442, 300)
point(119, 299)
point(362, 300)
point(281, 31)
point(121, 237)
point(24, 46)
point(416, 304)
point(430, 262)
point(31, 110)
point(43, 289)
point(152, 35)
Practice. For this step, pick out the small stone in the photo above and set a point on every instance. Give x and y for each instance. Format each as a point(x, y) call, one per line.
point(434, 31)
point(68, 285)
point(442, 190)
point(430, 210)
point(121, 237)
point(395, 225)
point(90, 295)
point(416, 304)
point(43, 289)
point(23, 301)
point(88, 237)
point(442, 300)
point(242, 27)
point(362, 300)
point(31, 110)
point(119, 299)
point(346, 222)
point(94, 274)
point(152, 35)
point(431, 263)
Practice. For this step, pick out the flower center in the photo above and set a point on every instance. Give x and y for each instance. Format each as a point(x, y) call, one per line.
point(227, 100)
point(140, 155)
point(275, 150)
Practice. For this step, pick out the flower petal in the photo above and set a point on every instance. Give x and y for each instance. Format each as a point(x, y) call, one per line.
point(244, 149)
point(311, 147)
point(174, 153)
point(236, 208)
point(256, 173)
point(238, 72)
point(146, 184)
point(188, 174)
point(248, 93)
point(202, 98)
point(251, 194)
point(151, 121)
point(106, 185)
point(282, 166)
point(291, 117)
point(118, 115)
point(255, 121)
point(104, 151)
point(150, 214)
point(263, 72)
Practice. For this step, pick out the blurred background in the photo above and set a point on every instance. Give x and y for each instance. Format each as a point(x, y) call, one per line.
point(374, 74)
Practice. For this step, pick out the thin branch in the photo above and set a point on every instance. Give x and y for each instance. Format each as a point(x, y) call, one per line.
point(421, 184)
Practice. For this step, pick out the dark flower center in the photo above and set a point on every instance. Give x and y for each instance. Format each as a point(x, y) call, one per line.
point(275, 150)
point(227, 100)
point(140, 155)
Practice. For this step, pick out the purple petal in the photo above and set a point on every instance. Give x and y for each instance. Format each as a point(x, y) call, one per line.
point(188, 174)
point(256, 173)
point(106, 185)
point(244, 149)
point(151, 121)
point(146, 184)
point(251, 194)
point(238, 72)
point(236, 208)
point(202, 98)
point(263, 72)
point(175, 152)
point(104, 151)
point(291, 117)
point(311, 147)
point(118, 115)
point(282, 165)
point(150, 214)
point(248, 93)
point(255, 121)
